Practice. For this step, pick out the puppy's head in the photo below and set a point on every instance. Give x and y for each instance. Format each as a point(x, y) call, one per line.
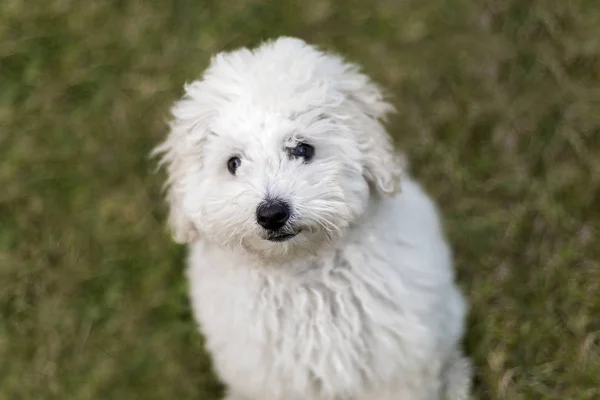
point(276, 150)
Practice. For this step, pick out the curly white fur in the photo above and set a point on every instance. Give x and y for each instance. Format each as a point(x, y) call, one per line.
point(361, 304)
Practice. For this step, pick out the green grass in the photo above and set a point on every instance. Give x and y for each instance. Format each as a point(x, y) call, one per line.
point(499, 110)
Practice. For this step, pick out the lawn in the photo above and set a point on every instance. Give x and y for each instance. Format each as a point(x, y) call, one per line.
point(498, 109)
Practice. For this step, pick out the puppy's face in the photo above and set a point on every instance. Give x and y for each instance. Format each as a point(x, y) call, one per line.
point(276, 183)
point(274, 169)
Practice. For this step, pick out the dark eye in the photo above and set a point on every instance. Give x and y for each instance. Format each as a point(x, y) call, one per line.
point(302, 150)
point(233, 164)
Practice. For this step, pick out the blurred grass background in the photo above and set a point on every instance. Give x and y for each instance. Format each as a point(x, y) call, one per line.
point(499, 110)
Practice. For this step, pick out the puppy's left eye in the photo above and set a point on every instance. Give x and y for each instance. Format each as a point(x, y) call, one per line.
point(233, 164)
point(302, 150)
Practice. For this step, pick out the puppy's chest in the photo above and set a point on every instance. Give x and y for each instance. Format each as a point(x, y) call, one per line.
point(304, 327)
point(284, 311)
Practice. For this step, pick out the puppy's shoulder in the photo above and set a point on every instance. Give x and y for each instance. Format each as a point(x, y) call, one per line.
point(411, 211)
point(408, 232)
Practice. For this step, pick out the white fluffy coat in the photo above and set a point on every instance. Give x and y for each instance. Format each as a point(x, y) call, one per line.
point(362, 303)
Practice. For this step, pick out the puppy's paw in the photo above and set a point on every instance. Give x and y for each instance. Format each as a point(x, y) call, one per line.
point(457, 378)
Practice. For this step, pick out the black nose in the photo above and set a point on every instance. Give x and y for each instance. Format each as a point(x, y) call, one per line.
point(272, 214)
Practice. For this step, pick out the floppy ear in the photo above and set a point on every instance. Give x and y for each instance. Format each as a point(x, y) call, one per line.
point(383, 167)
point(182, 152)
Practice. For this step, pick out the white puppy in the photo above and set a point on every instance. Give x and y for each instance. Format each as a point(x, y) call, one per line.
point(318, 268)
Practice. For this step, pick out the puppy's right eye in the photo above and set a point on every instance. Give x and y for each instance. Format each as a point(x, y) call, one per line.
point(233, 164)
